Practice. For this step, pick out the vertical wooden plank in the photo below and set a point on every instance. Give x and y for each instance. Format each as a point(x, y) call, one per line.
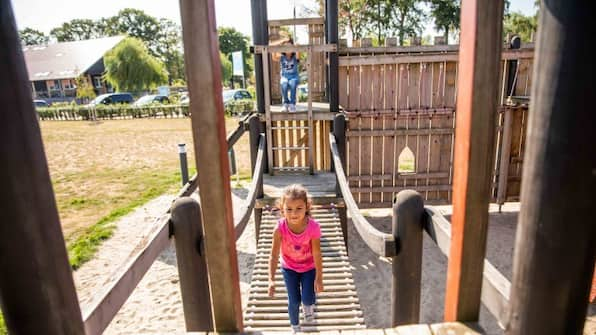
point(366, 141)
point(522, 77)
point(37, 291)
point(343, 86)
point(311, 134)
point(388, 124)
point(449, 122)
point(265, 57)
point(291, 135)
point(401, 120)
point(354, 123)
point(414, 101)
point(377, 154)
point(480, 47)
point(505, 155)
point(284, 134)
point(201, 53)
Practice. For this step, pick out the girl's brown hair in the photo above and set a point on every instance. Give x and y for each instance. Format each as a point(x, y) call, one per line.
point(295, 192)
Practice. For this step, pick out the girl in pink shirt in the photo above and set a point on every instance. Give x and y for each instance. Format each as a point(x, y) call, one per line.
point(298, 236)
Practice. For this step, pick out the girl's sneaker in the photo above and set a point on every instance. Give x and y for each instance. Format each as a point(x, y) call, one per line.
point(295, 329)
point(286, 107)
point(292, 108)
point(309, 313)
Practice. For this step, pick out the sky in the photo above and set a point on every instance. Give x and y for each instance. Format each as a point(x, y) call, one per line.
point(44, 15)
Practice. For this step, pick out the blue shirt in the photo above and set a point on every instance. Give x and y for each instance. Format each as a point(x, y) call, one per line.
point(289, 66)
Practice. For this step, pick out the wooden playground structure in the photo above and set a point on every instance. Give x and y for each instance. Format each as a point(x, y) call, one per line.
point(461, 113)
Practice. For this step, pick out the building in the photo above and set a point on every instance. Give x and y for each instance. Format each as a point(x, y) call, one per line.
point(53, 68)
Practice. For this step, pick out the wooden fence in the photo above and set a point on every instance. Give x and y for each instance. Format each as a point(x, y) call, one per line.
point(400, 104)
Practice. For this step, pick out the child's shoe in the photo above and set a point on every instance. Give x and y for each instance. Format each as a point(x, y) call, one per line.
point(286, 107)
point(295, 329)
point(309, 313)
point(292, 108)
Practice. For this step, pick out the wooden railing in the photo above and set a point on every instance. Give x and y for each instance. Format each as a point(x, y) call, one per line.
point(104, 306)
point(404, 246)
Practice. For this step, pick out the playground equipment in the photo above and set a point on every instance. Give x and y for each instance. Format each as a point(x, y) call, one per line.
point(555, 247)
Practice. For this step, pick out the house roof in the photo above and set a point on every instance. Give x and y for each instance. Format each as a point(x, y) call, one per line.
point(66, 59)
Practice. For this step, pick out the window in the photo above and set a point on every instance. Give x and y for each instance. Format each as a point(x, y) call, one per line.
point(406, 161)
point(97, 82)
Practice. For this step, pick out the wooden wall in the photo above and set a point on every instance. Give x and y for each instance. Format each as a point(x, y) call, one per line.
point(401, 101)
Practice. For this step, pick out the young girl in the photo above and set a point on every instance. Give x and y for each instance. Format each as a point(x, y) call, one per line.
point(298, 236)
point(289, 78)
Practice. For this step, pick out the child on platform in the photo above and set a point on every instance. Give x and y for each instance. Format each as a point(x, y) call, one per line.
point(289, 78)
point(297, 235)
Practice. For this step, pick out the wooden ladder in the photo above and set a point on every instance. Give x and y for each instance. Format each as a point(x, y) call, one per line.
point(337, 308)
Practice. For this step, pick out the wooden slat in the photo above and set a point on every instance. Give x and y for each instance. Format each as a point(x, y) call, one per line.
point(377, 152)
point(297, 21)
point(366, 102)
point(267, 99)
point(476, 103)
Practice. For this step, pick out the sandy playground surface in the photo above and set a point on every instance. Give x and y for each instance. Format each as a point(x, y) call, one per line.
point(156, 307)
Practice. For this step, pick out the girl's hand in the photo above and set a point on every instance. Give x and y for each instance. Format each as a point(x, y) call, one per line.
point(271, 289)
point(319, 285)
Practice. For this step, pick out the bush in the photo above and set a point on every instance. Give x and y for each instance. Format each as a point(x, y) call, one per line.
point(235, 107)
point(111, 112)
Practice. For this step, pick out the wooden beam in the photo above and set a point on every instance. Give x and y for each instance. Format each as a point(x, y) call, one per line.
point(397, 132)
point(208, 127)
point(37, 291)
point(296, 48)
point(395, 59)
point(269, 133)
point(260, 36)
point(476, 105)
point(556, 232)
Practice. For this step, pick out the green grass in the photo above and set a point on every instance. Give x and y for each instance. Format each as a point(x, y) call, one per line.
point(84, 246)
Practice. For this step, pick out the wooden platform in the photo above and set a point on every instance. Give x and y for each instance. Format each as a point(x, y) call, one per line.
point(337, 308)
point(320, 112)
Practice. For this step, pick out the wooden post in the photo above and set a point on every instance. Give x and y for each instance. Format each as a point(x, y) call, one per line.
point(505, 156)
point(192, 264)
point(201, 54)
point(37, 292)
point(479, 56)
point(408, 210)
point(267, 98)
point(260, 36)
point(556, 233)
point(311, 126)
point(255, 129)
point(339, 131)
point(333, 72)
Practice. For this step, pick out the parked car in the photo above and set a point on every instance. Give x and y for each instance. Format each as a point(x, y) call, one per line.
point(230, 95)
point(40, 103)
point(111, 99)
point(152, 98)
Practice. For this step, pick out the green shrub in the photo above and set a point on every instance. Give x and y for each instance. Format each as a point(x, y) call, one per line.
point(239, 106)
point(77, 112)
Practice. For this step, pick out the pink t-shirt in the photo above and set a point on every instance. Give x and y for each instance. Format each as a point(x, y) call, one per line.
point(296, 249)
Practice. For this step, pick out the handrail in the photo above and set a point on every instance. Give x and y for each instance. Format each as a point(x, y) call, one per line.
point(257, 179)
point(495, 287)
point(382, 244)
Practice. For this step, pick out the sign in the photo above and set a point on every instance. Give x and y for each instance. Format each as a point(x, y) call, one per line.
point(237, 63)
point(163, 90)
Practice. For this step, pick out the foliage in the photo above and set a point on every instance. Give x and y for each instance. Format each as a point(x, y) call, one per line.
point(352, 17)
point(77, 30)
point(226, 68)
point(231, 40)
point(240, 106)
point(408, 18)
point(3, 330)
point(31, 36)
point(129, 67)
point(169, 49)
point(81, 112)
point(84, 89)
point(445, 14)
point(518, 24)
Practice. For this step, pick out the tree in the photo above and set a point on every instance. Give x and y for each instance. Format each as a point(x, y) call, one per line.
point(231, 40)
point(226, 68)
point(77, 30)
point(518, 24)
point(84, 89)
point(408, 18)
point(129, 67)
point(351, 17)
point(169, 48)
point(135, 23)
point(445, 14)
point(31, 36)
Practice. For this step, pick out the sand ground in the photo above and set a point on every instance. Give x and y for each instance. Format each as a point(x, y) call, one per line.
point(155, 306)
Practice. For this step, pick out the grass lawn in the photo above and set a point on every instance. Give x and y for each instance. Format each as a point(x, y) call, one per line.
point(102, 170)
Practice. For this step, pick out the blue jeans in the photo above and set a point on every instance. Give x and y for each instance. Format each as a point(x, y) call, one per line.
point(294, 281)
point(289, 83)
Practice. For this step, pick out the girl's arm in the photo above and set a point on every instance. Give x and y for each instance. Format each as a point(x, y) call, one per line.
point(273, 259)
point(316, 252)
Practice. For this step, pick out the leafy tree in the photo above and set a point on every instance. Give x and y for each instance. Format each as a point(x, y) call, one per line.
point(169, 48)
point(231, 40)
point(445, 14)
point(84, 89)
point(31, 36)
point(130, 67)
point(351, 17)
point(226, 68)
point(77, 30)
point(521, 25)
point(135, 23)
point(408, 18)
